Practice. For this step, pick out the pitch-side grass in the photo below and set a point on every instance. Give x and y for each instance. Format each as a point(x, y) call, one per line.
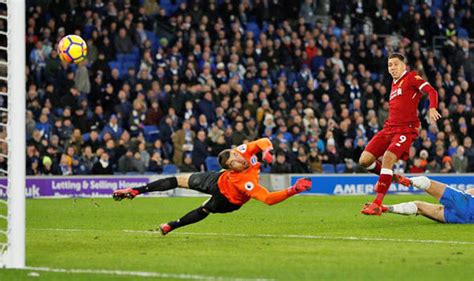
point(304, 238)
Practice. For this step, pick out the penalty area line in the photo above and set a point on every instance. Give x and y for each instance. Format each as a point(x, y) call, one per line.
point(140, 274)
point(317, 237)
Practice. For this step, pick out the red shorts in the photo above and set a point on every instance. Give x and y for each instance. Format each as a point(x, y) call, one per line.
point(394, 140)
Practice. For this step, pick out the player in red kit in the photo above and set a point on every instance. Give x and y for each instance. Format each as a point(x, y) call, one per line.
point(400, 130)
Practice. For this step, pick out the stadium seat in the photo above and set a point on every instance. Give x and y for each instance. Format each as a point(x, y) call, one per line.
point(114, 64)
point(170, 169)
point(252, 26)
point(328, 169)
point(86, 136)
point(462, 33)
point(317, 62)
point(212, 164)
point(45, 129)
point(265, 169)
point(340, 168)
point(151, 133)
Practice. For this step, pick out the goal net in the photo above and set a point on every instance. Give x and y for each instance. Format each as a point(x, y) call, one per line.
point(12, 133)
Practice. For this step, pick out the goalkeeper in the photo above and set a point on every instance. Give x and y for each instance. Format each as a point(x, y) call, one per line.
point(456, 206)
point(229, 188)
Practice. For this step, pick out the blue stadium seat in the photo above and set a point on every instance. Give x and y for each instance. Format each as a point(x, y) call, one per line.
point(120, 58)
point(328, 169)
point(462, 33)
point(45, 129)
point(340, 168)
point(151, 133)
point(317, 62)
point(114, 64)
point(252, 26)
point(128, 64)
point(86, 136)
point(212, 164)
point(265, 169)
point(170, 169)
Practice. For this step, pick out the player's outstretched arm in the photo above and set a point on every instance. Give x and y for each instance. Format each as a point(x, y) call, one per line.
point(253, 147)
point(271, 198)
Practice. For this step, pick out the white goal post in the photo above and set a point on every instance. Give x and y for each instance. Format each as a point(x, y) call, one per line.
point(13, 252)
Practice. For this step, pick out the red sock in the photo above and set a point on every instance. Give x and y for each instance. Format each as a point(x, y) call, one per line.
point(375, 167)
point(383, 184)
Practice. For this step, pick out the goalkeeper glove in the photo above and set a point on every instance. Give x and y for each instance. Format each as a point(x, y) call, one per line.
point(267, 155)
point(300, 185)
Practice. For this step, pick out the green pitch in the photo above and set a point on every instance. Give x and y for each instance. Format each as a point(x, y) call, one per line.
point(304, 238)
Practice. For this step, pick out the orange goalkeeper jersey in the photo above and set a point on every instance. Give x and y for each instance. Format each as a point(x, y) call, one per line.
point(239, 187)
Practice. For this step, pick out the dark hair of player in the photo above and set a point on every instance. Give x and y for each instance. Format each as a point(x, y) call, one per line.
point(397, 56)
point(223, 157)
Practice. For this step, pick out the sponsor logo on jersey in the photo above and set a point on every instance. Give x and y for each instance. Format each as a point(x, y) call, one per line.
point(249, 185)
point(396, 93)
point(242, 148)
point(253, 160)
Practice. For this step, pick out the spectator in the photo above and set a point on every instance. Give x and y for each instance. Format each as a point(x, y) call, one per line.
point(315, 161)
point(200, 151)
point(301, 165)
point(113, 128)
point(122, 42)
point(187, 166)
point(49, 167)
point(102, 167)
point(281, 165)
point(460, 161)
point(182, 142)
point(87, 159)
point(155, 164)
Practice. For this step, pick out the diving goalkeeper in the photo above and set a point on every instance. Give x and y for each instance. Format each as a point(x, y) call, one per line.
point(229, 188)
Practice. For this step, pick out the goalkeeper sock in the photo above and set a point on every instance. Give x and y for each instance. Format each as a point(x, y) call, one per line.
point(385, 179)
point(191, 217)
point(159, 185)
point(375, 167)
point(409, 208)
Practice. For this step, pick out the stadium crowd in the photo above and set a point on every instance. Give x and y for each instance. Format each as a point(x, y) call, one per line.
point(173, 83)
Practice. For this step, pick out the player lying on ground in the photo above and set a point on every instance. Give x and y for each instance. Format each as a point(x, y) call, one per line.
point(457, 206)
point(399, 131)
point(229, 188)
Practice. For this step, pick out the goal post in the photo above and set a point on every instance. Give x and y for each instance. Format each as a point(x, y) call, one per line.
point(14, 254)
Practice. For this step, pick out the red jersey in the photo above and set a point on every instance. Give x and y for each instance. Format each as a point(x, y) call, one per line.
point(405, 95)
point(239, 187)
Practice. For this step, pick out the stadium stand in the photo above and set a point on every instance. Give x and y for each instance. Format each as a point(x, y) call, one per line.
point(299, 72)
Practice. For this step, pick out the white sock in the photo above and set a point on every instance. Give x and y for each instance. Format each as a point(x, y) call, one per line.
point(385, 171)
point(421, 182)
point(372, 166)
point(409, 208)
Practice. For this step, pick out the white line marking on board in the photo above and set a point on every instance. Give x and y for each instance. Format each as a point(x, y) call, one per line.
point(141, 274)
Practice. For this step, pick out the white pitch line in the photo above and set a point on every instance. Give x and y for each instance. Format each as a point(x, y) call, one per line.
point(292, 236)
point(141, 274)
